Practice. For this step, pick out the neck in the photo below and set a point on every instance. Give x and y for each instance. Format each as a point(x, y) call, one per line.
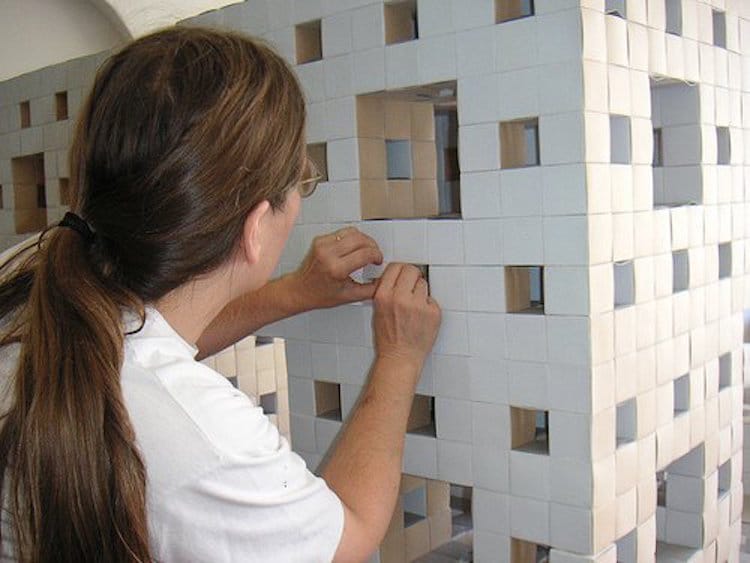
point(190, 308)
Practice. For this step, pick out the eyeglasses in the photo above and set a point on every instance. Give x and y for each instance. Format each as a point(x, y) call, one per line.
point(307, 187)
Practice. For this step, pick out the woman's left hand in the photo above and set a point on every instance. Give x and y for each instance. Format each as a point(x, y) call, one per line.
point(323, 279)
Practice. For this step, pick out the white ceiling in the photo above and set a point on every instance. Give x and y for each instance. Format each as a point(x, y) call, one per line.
point(139, 17)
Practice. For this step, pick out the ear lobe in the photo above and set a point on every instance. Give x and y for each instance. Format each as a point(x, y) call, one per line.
point(252, 232)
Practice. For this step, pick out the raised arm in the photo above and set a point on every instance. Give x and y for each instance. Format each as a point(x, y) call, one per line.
point(364, 469)
point(321, 281)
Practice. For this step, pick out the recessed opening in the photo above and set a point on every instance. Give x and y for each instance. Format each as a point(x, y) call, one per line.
point(401, 23)
point(624, 283)
point(658, 154)
point(522, 551)
point(318, 153)
point(25, 109)
point(626, 422)
point(681, 497)
point(64, 184)
point(507, 10)
point(674, 17)
point(627, 547)
point(328, 400)
point(268, 402)
point(29, 190)
point(680, 271)
point(432, 522)
point(529, 430)
point(725, 478)
point(422, 416)
point(408, 153)
point(661, 488)
point(308, 42)
point(725, 370)
point(615, 8)
point(723, 146)
point(61, 106)
point(519, 143)
point(720, 28)
point(524, 289)
point(398, 159)
point(675, 116)
point(619, 137)
point(681, 394)
point(725, 260)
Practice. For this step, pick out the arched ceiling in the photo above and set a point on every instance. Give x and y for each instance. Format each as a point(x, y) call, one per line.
point(138, 17)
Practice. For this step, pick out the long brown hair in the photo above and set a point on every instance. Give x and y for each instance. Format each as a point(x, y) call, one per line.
point(183, 133)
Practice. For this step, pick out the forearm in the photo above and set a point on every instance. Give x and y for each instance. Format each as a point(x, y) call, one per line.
point(274, 301)
point(365, 468)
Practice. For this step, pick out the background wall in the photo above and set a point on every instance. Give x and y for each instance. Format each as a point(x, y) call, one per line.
point(38, 33)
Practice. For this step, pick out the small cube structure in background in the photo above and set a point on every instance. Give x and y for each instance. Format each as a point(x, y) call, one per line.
point(574, 176)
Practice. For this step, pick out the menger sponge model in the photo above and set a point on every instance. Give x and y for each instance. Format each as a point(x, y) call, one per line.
point(571, 174)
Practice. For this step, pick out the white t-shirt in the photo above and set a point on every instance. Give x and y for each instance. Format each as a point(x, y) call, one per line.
point(223, 485)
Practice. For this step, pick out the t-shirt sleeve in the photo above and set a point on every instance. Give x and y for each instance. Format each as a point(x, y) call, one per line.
point(259, 502)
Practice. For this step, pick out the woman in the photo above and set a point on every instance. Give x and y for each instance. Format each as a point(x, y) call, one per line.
point(116, 444)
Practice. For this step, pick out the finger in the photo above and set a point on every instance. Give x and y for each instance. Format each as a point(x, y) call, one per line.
point(407, 279)
point(421, 289)
point(353, 241)
point(359, 259)
point(354, 291)
point(388, 280)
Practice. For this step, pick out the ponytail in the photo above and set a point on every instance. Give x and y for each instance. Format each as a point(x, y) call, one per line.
point(75, 481)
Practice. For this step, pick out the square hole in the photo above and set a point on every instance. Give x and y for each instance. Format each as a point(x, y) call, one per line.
point(725, 370)
point(414, 504)
point(25, 109)
point(29, 190)
point(624, 283)
point(619, 137)
point(401, 22)
point(408, 153)
point(723, 146)
point(680, 271)
point(657, 158)
point(328, 400)
point(507, 10)
point(725, 478)
point(268, 403)
point(725, 260)
point(524, 289)
point(432, 520)
point(398, 159)
point(682, 394)
point(661, 488)
point(522, 551)
point(519, 143)
point(720, 28)
point(529, 430)
point(626, 422)
point(615, 8)
point(61, 106)
point(422, 416)
point(318, 153)
point(674, 17)
point(64, 184)
point(675, 116)
point(308, 42)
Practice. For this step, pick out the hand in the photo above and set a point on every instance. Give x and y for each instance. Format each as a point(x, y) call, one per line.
point(323, 278)
point(406, 319)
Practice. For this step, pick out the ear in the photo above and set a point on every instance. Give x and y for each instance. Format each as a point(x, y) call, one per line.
point(252, 232)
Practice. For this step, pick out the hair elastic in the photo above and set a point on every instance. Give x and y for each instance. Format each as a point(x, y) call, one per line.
point(79, 225)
